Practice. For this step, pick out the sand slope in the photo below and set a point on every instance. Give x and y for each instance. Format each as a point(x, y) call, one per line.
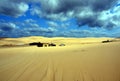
point(76, 62)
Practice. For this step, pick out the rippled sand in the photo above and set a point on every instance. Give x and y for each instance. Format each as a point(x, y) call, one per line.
point(80, 60)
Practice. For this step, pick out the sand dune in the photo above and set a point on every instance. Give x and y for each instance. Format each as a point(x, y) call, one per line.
point(57, 40)
point(82, 59)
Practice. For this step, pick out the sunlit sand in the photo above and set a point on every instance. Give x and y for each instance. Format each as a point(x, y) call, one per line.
point(81, 59)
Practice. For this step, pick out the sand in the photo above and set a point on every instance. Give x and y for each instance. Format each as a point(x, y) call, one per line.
point(82, 59)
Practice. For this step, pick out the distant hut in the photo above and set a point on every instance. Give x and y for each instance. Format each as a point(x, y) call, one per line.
point(106, 41)
point(36, 43)
point(42, 44)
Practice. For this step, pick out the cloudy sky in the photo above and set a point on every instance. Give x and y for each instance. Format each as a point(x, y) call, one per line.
point(60, 18)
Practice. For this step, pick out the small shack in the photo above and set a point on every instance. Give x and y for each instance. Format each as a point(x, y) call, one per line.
point(39, 44)
point(106, 41)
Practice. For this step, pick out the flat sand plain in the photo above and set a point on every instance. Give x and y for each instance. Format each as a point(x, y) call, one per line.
point(82, 59)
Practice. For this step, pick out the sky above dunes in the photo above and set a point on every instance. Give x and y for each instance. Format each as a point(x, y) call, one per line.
point(60, 18)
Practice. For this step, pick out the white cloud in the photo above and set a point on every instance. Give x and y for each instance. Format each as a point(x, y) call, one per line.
point(7, 26)
point(52, 24)
point(30, 21)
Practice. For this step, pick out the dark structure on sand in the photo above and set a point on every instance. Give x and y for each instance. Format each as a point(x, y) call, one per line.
point(106, 41)
point(39, 44)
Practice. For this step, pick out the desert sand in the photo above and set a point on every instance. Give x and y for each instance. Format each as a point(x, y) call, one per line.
point(82, 59)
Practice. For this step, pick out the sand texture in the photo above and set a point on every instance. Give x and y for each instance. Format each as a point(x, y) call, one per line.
point(82, 59)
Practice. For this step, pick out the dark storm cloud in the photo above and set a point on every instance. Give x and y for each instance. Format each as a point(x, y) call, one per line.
point(100, 5)
point(94, 13)
point(27, 1)
point(87, 12)
point(11, 8)
point(57, 6)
